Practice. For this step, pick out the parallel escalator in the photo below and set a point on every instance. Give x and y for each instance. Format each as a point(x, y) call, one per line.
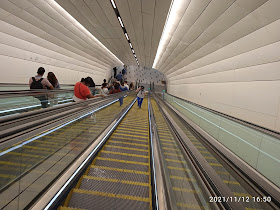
point(167, 142)
point(35, 157)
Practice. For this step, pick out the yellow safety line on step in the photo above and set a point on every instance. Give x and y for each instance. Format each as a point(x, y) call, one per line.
point(125, 154)
point(206, 157)
point(134, 133)
point(134, 144)
point(142, 137)
point(222, 172)
point(120, 169)
point(215, 164)
point(172, 154)
point(183, 190)
point(7, 176)
point(230, 182)
point(170, 148)
point(177, 168)
point(168, 144)
point(116, 181)
point(176, 161)
point(118, 137)
point(128, 148)
point(14, 164)
point(131, 129)
point(122, 161)
point(183, 178)
point(166, 140)
point(112, 195)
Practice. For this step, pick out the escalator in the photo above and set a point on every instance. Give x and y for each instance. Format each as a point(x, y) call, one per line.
point(121, 172)
point(120, 176)
point(186, 191)
point(34, 162)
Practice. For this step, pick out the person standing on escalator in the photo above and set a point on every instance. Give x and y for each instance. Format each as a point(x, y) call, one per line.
point(140, 95)
point(38, 82)
point(82, 92)
point(53, 80)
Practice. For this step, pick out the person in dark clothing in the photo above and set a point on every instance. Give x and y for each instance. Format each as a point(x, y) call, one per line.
point(116, 89)
point(104, 84)
point(38, 82)
point(53, 80)
point(119, 77)
point(115, 72)
point(92, 85)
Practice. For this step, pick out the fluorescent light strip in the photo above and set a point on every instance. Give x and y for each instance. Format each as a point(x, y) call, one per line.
point(122, 25)
point(120, 20)
point(113, 3)
point(86, 160)
point(62, 11)
point(126, 36)
point(26, 142)
point(169, 25)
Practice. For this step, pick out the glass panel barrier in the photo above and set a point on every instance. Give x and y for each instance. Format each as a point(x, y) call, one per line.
point(9, 105)
point(258, 149)
point(30, 166)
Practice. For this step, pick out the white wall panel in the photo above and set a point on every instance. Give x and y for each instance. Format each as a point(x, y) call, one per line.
point(232, 63)
point(35, 33)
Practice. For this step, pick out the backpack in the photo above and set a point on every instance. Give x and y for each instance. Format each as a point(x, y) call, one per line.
point(36, 84)
point(123, 71)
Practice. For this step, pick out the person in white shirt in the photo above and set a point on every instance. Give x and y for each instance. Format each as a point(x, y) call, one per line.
point(126, 85)
point(104, 90)
point(140, 95)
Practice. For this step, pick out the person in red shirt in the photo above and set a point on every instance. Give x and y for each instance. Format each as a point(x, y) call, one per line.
point(81, 90)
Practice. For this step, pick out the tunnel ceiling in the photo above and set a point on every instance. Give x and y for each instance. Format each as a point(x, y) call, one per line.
point(143, 19)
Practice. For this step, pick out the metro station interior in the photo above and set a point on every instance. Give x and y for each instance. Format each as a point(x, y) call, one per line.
point(196, 127)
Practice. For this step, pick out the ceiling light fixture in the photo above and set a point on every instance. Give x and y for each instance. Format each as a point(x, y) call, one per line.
point(72, 20)
point(113, 3)
point(170, 23)
point(120, 20)
point(126, 36)
point(123, 28)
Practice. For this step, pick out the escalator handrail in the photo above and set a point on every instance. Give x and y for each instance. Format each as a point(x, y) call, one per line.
point(162, 186)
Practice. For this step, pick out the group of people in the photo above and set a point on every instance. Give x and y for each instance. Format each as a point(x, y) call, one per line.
point(38, 82)
point(81, 89)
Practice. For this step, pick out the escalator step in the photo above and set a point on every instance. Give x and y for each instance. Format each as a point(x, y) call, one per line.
point(99, 201)
point(116, 173)
point(115, 186)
